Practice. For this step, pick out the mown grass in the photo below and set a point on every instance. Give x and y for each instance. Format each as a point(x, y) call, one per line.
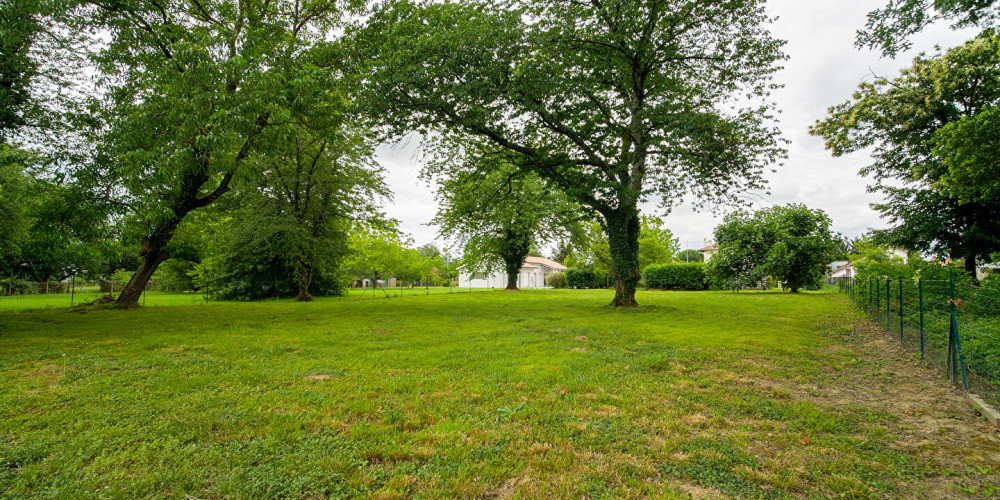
point(34, 302)
point(531, 394)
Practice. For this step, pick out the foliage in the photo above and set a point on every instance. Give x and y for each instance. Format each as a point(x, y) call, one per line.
point(582, 278)
point(690, 255)
point(496, 212)
point(14, 223)
point(380, 252)
point(253, 259)
point(991, 280)
point(556, 280)
point(176, 275)
point(791, 243)
point(675, 276)
point(191, 92)
point(889, 29)
point(19, 28)
point(938, 185)
point(612, 102)
point(657, 245)
point(591, 252)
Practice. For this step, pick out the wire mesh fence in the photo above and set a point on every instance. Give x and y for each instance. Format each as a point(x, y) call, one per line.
point(21, 295)
point(955, 326)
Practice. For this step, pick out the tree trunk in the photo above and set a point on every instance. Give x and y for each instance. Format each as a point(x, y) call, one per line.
point(971, 266)
point(623, 238)
point(512, 280)
point(305, 280)
point(513, 249)
point(151, 259)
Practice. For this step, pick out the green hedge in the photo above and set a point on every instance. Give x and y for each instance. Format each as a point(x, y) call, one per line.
point(675, 276)
point(579, 278)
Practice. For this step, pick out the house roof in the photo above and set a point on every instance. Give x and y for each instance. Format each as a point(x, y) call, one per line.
point(708, 248)
point(544, 262)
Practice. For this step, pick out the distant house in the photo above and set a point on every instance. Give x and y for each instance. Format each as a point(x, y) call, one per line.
point(842, 269)
point(708, 251)
point(532, 275)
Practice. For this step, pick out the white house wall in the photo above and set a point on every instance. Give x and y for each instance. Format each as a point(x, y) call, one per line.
point(527, 278)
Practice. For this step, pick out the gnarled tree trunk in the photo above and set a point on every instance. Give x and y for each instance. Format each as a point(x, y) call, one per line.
point(623, 237)
point(305, 280)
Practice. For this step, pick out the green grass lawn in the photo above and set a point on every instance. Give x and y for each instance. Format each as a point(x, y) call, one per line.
point(527, 394)
point(33, 302)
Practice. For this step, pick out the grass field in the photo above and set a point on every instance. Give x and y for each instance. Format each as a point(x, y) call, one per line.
point(34, 302)
point(528, 394)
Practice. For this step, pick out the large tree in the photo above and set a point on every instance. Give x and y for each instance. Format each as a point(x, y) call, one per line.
point(190, 87)
point(495, 211)
point(611, 101)
point(930, 129)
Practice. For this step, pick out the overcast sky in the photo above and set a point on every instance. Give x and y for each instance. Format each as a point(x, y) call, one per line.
point(823, 70)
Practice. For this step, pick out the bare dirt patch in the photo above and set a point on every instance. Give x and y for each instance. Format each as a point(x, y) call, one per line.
point(933, 419)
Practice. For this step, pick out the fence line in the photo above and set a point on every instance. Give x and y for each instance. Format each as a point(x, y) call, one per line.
point(955, 326)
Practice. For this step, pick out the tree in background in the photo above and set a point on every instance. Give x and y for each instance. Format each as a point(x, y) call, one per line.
point(931, 132)
point(591, 253)
point(14, 223)
point(497, 213)
point(690, 255)
point(377, 252)
point(613, 102)
point(189, 90)
point(790, 243)
point(316, 178)
point(657, 245)
point(889, 29)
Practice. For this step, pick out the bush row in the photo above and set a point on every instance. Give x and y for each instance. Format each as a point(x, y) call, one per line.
point(676, 276)
point(580, 278)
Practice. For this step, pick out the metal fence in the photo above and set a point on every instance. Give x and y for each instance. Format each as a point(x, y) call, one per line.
point(955, 326)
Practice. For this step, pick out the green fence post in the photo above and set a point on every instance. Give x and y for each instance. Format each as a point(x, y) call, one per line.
point(878, 299)
point(900, 310)
point(953, 336)
point(888, 304)
point(920, 292)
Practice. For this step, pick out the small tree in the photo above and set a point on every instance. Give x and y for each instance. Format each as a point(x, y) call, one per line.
point(496, 211)
point(791, 243)
point(690, 255)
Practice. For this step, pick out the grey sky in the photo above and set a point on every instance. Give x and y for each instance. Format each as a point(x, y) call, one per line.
point(824, 69)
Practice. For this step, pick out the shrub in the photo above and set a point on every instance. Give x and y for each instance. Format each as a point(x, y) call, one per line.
point(556, 280)
point(581, 278)
point(676, 276)
point(991, 280)
point(174, 275)
point(119, 279)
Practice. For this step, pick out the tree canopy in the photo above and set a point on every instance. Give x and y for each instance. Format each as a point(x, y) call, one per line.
point(790, 243)
point(931, 133)
point(189, 90)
